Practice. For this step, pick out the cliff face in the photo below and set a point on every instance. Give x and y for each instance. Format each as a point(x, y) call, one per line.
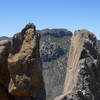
point(83, 68)
point(54, 47)
point(98, 45)
point(25, 81)
point(4, 73)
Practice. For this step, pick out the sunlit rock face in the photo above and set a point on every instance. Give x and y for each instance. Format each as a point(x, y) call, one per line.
point(24, 65)
point(83, 68)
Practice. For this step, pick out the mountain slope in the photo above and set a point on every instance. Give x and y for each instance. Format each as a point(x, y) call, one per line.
point(54, 47)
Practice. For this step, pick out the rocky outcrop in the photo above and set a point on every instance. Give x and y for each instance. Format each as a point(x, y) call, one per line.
point(83, 68)
point(54, 47)
point(4, 52)
point(98, 45)
point(24, 65)
point(56, 41)
point(4, 73)
point(58, 33)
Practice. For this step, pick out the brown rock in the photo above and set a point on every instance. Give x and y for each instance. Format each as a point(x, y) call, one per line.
point(83, 68)
point(24, 62)
point(4, 73)
point(4, 52)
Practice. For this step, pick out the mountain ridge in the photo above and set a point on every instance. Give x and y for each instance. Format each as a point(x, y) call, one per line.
point(54, 49)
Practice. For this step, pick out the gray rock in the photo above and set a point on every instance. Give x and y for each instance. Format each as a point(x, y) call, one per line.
point(83, 69)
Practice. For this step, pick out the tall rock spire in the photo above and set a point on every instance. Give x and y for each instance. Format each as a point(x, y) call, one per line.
point(24, 63)
point(83, 68)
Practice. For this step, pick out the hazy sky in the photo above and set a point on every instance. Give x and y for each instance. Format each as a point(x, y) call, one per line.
point(70, 14)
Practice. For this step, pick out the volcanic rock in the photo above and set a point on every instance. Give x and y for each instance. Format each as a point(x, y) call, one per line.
point(83, 68)
point(24, 65)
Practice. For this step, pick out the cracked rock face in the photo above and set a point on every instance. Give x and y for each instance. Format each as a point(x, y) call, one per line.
point(83, 68)
point(24, 65)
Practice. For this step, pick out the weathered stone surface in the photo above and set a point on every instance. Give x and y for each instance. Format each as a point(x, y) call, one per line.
point(83, 69)
point(4, 73)
point(24, 63)
point(54, 47)
point(4, 52)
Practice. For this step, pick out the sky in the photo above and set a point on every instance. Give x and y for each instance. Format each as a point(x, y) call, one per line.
point(69, 14)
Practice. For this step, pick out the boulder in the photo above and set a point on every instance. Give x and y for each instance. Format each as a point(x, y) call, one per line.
point(83, 68)
point(24, 65)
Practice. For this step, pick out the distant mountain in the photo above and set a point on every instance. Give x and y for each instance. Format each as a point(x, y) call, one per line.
point(55, 32)
point(5, 38)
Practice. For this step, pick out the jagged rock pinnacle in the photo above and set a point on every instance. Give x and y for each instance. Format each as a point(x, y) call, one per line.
point(83, 68)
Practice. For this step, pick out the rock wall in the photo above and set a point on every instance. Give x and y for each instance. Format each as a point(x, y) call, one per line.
point(4, 72)
point(83, 68)
point(4, 52)
point(98, 45)
point(24, 75)
point(54, 48)
point(22, 65)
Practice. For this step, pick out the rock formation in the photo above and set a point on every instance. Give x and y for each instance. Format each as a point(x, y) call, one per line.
point(98, 45)
point(83, 68)
point(4, 73)
point(4, 52)
point(24, 65)
point(20, 67)
point(54, 47)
